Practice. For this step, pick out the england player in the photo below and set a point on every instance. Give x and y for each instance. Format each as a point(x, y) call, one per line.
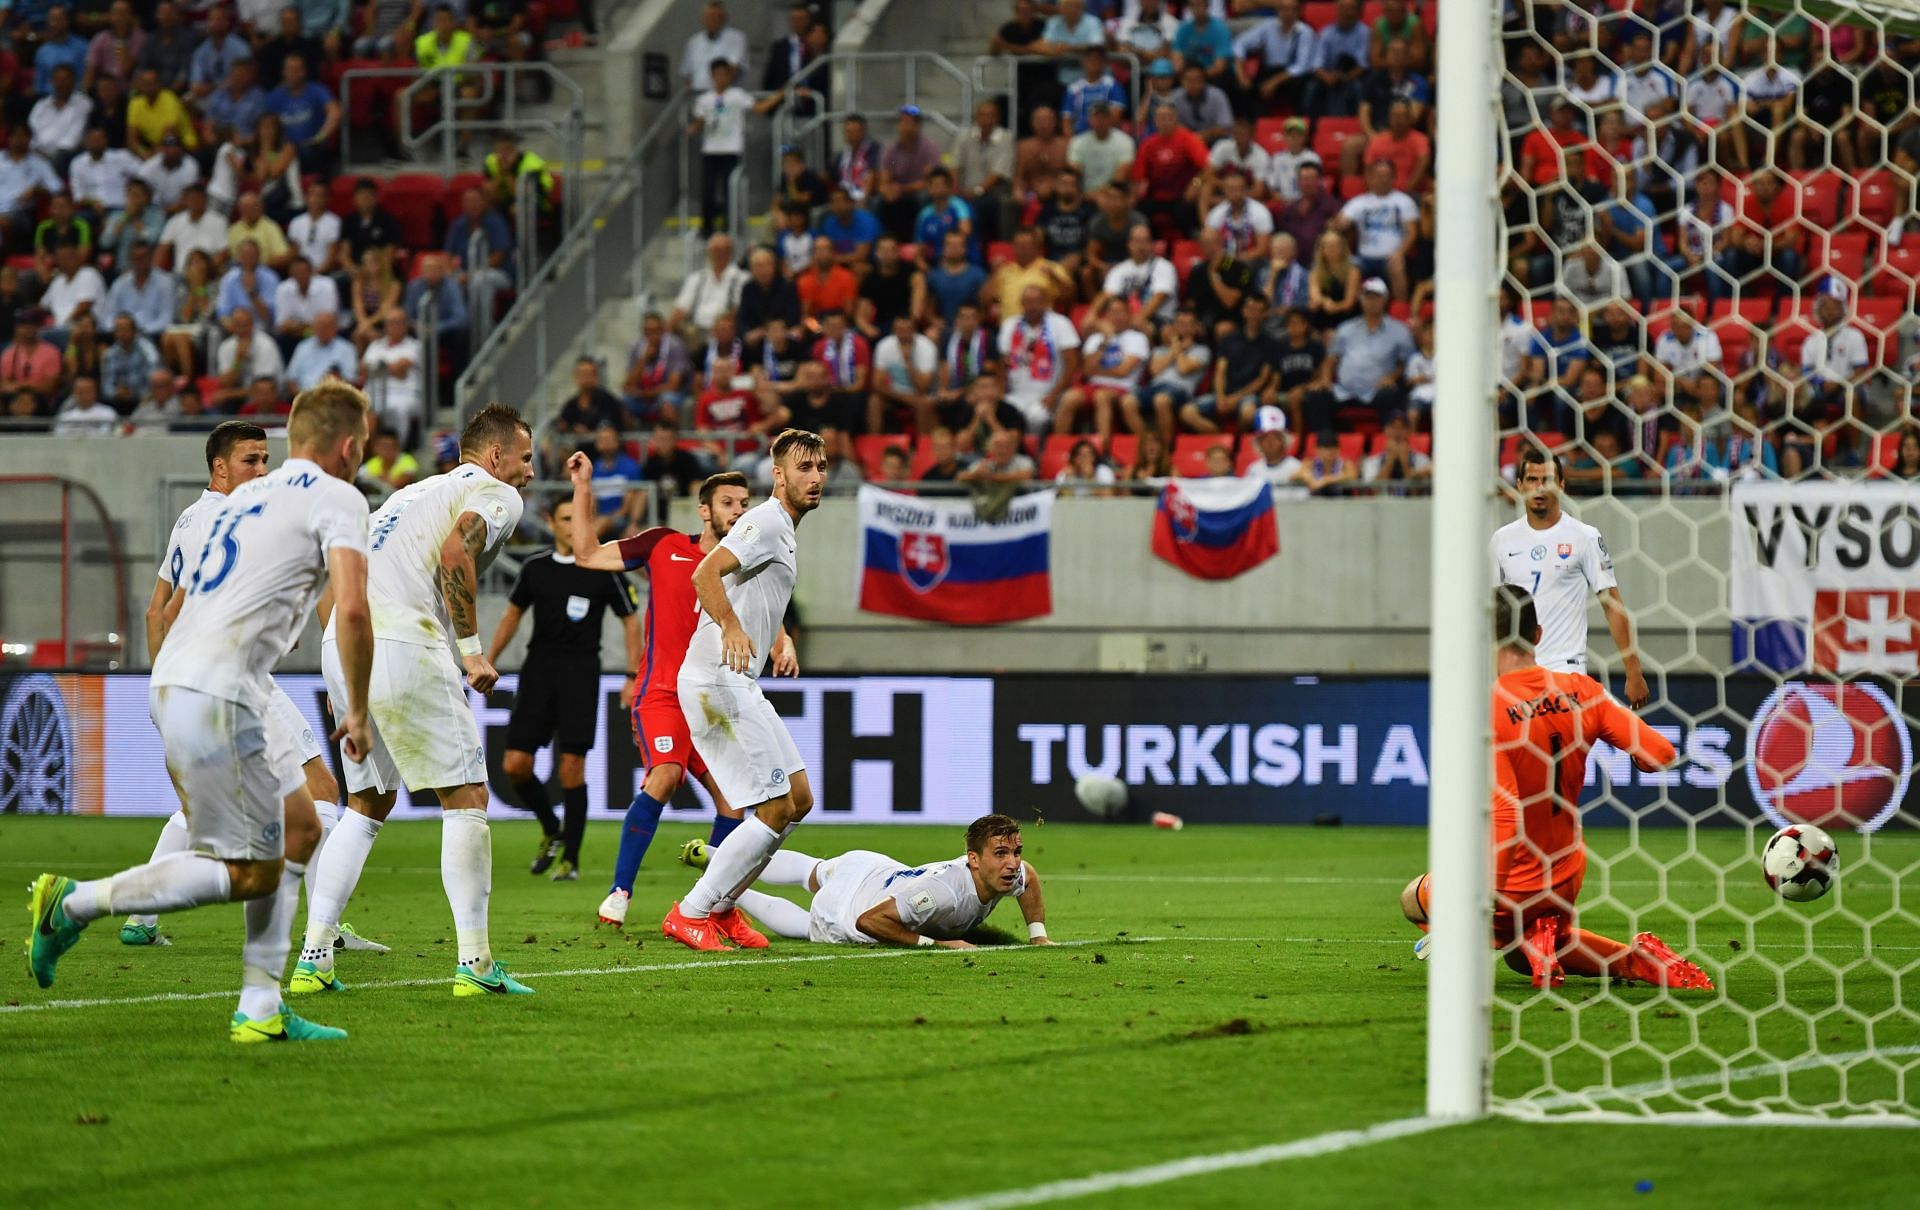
point(1561, 561)
point(659, 726)
point(273, 545)
point(429, 544)
point(744, 587)
point(236, 453)
point(866, 898)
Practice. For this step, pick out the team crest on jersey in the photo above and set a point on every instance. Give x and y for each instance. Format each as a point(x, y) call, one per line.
point(577, 608)
point(779, 776)
point(1538, 553)
point(923, 558)
point(1566, 550)
point(663, 743)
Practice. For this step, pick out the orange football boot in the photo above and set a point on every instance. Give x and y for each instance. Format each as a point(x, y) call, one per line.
point(734, 925)
point(1543, 947)
point(1657, 964)
point(694, 934)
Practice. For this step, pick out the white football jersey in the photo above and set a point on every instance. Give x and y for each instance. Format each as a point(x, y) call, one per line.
point(188, 536)
point(1563, 567)
point(937, 901)
point(764, 541)
point(256, 577)
point(405, 540)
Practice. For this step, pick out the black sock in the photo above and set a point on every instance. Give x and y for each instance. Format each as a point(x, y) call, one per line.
point(533, 796)
point(576, 822)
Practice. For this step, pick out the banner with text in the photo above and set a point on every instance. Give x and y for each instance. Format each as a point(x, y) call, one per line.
point(940, 561)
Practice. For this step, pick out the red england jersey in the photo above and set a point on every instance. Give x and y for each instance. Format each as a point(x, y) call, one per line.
point(669, 558)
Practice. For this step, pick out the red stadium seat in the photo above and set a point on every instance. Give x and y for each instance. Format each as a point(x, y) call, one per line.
point(1736, 340)
point(1249, 454)
point(870, 448)
point(1353, 446)
point(1819, 197)
point(450, 199)
point(413, 198)
point(1788, 338)
point(1190, 452)
point(1121, 448)
point(1847, 255)
point(1886, 451)
point(1054, 453)
point(1319, 13)
point(1903, 265)
point(999, 253)
point(1270, 133)
point(1422, 443)
point(1331, 135)
point(1877, 196)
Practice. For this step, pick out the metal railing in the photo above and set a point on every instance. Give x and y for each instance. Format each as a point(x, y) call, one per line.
point(1011, 64)
point(78, 535)
point(845, 70)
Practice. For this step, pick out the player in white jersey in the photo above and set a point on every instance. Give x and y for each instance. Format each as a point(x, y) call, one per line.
point(744, 586)
point(273, 545)
point(236, 453)
point(1561, 562)
point(867, 898)
point(429, 543)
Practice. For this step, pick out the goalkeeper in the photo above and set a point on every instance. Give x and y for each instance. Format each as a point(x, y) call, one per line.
point(1544, 724)
point(864, 898)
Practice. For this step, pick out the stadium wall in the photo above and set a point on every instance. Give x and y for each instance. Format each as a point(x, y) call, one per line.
point(942, 750)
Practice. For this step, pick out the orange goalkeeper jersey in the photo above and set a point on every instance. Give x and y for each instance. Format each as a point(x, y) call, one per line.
point(1544, 724)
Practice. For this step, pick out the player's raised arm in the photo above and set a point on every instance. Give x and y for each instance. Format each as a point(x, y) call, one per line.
point(736, 649)
point(1620, 623)
point(882, 923)
point(353, 635)
point(1033, 906)
point(458, 580)
point(621, 554)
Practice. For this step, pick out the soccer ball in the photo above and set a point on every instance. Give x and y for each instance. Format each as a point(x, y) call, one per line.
point(1101, 795)
point(1800, 863)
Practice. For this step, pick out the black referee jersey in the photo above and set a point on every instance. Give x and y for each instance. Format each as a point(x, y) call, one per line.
point(559, 678)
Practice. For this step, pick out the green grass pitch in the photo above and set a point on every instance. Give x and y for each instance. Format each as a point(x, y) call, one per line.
point(1237, 987)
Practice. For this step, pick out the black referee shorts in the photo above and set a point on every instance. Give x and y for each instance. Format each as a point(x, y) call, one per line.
point(558, 700)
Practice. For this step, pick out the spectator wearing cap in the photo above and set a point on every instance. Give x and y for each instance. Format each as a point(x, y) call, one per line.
point(59, 120)
point(218, 51)
point(168, 48)
point(1284, 165)
point(1242, 373)
point(720, 120)
point(171, 171)
point(30, 364)
point(142, 292)
point(1039, 158)
point(322, 354)
point(1326, 471)
point(59, 47)
point(1835, 359)
point(1276, 57)
point(1276, 463)
point(153, 112)
point(25, 178)
point(1096, 88)
point(1341, 54)
point(1397, 462)
point(1103, 153)
point(1368, 359)
point(713, 41)
point(1163, 80)
point(953, 282)
point(1167, 173)
point(1201, 106)
point(1386, 223)
point(902, 177)
point(983, 168)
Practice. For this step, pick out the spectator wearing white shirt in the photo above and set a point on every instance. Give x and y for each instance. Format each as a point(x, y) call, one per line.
point(315, 231)
point(1587, 84)
point(85, 414)
point(1592, 277)
point(1145, 31)
point(1648, 88)
point(1113, 355)
point(59, 119)
point(1420, 371)
point(1835, 358)
point(1103, 152)
point(1085, 471)
point(1397, 462)
point(72, 291)
point(97, 177)
point(324, 353)
point(170, 171)
point(243, 359)
point(904, 367)
point(395, 381)
point(1276, 463)
point(197, 228)
point(1283, 166)
point(1237, 152)
point(298, 300)
point(713, 41)
point(1689, 355)
point(1386, 222)
point(720, 119)
point(1242, 223)
point(1146, 282)
point(1042, 355)
point(708, 292)
point(1770, 93)
point(25, 177)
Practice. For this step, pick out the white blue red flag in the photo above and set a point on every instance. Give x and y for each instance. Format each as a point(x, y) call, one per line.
point(1216, 528)
point(937, 560)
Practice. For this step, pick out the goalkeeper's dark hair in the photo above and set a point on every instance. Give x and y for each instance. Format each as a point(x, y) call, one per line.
point(988, 828)
point(791, 440)
point(226, 435)
point(1515, 622)
point(493, 424)
point(1531, 454)
point(713, 483)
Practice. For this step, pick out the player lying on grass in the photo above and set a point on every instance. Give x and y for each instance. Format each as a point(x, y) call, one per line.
point(866, 898)
point(1544, 725)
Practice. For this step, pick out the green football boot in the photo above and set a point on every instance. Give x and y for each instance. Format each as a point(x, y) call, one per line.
point(496, 982)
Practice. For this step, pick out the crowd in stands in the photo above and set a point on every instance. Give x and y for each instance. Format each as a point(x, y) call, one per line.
point(1211, 225)
point(178, 247)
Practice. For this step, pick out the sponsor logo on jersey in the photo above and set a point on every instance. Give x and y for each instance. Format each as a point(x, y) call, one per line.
point(1829, 754)
point(924, 559)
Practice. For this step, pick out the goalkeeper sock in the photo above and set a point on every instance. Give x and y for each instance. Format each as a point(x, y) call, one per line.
point(182, 880)
point(636, 833)
point(533, 796)
point(173, 839)
point(731, 868)
point(788, 869)
point(1593, 956)
point(575, 828)
point(787, 919)
point(466, 870)
point(723, 826)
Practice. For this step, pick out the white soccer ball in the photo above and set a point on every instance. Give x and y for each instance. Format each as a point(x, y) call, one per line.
point(1800, 863)
point(1101, 795)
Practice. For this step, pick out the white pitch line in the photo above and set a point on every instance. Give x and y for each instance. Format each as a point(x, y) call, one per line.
point(690, 964)
point(1710, 1079)
point(1197, 1165)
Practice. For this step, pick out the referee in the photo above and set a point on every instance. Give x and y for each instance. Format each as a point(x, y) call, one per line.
point(558, 698)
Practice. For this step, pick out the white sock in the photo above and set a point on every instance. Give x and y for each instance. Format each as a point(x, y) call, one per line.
point(788, 869)
point(783, 916)
point(329, 814)
point(269, 937)
point(173, 839)
point(183, 880)
point(332, 882)
point(725, 902)
point(731, 869)
point(466, 870)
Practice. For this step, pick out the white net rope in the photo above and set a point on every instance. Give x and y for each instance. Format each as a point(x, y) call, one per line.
point(1712, 243)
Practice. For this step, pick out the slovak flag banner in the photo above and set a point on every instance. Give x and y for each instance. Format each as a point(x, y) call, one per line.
point(938, 561)
point(1216, 529)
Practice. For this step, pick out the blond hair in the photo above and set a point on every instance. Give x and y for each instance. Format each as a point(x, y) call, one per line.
point(324, 413)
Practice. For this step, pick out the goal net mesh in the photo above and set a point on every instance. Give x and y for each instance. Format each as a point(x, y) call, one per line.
point(1712, 244)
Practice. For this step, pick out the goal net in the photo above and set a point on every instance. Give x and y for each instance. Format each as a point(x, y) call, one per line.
point(1708, 238)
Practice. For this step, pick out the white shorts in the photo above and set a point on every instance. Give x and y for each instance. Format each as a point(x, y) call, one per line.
point(424, 736)
point(217, 756)
point(290, 740)
point(741, 737)
point(849, 885)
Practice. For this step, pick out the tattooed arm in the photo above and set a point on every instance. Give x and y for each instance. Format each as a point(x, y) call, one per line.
point(459, 584)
